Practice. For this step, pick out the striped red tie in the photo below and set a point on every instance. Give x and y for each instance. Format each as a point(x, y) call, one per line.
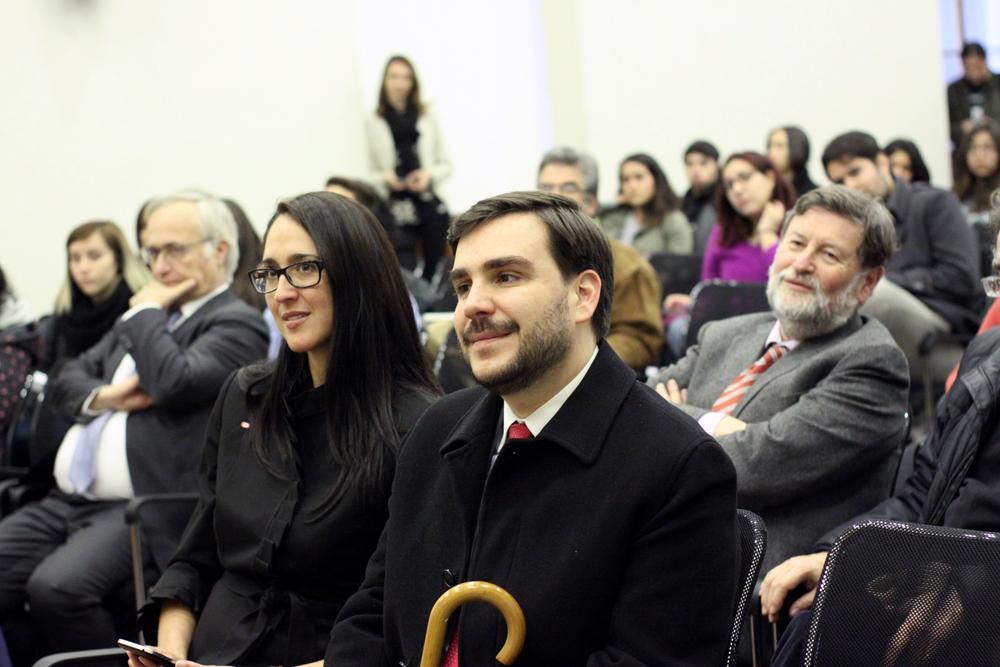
point(738, 388)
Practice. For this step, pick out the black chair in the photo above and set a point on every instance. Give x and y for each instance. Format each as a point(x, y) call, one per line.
point(450, 368)
point(718, 299)
point(753, 544)
point(102, 657)
point(181, 506)
point(907, 594)
point(678, 274)
point(135, 512)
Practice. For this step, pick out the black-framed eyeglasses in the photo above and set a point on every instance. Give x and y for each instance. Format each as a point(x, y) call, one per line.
point(171, 252)
point(300, 274)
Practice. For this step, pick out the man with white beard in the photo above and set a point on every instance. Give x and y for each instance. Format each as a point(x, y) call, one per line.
point(809, 400)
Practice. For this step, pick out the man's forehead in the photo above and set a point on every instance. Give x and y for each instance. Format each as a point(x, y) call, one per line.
point(515, 234)
point(560, 173)
point(831, 228)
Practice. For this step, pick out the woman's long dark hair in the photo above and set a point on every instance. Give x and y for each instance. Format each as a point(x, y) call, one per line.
point(968, 186)
point(733, 226)
point(412, 100)
point(374, 349)
point(798, 158)
point(664, 199)
point(917, 165)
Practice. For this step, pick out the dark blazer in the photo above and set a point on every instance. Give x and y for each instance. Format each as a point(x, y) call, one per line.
point(938, 258)
point(182, 371)
point(823, 424)
point(614, 529)
point(263, 563)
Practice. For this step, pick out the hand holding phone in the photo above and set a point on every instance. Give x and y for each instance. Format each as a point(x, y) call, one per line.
point(147, 652)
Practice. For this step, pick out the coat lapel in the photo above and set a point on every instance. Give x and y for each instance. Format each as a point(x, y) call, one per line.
point(790, 361)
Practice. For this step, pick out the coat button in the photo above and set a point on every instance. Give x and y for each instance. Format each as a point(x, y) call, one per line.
point(449, 578)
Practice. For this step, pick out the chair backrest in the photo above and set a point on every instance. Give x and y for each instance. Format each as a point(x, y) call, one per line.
point(678, 274)
point(718, 299)
point(753, 544)
point(169, 512)
point(907, 594)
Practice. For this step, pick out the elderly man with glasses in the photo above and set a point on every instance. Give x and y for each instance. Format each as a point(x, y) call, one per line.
point(141, 398)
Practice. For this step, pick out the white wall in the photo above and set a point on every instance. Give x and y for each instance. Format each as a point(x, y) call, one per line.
point(107, 102)
point(658, 75)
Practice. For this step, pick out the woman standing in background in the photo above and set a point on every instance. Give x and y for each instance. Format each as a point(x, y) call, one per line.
point(408, 161)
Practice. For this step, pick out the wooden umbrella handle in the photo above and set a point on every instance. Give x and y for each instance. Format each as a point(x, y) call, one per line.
point(452, 599)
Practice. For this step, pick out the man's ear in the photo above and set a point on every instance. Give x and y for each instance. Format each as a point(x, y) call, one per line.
point(864, 290)
point(221, 252)
point(587, 293)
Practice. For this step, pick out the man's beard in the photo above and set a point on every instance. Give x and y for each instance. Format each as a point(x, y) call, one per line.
point(542, 348)
point(813, 316)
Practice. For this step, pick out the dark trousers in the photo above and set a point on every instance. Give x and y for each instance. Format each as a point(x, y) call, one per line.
point(65, 557)
point(430, 229)
point(793, 641)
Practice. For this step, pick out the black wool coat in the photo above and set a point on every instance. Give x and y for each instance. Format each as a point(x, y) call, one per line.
point(615, 530)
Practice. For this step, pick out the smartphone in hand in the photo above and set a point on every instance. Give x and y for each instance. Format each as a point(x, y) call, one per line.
point(147, 652)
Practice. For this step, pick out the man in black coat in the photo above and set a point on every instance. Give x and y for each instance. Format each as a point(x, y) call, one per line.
point(931, 284)
point(142, 397)
point(607, 513)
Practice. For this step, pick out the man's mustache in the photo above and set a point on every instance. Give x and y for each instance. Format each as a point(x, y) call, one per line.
point(484, 325)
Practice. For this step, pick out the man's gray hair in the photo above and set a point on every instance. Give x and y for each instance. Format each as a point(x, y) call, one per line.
point(570, 157)
point(217, 222)
point(878, 230)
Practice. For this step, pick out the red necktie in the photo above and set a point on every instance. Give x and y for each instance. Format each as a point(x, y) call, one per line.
point(516, 431)
point(741, 384)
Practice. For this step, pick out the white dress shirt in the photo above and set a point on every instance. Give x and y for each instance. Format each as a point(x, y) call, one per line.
point(112, 480)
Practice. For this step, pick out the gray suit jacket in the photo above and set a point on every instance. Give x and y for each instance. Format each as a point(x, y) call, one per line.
point(824, 423)
point(182, 370)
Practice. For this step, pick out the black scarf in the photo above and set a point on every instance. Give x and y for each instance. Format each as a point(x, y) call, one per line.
point(693, 202)
point(86, 322)
point(404, 134)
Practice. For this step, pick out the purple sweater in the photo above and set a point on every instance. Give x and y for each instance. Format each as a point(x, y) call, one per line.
point(743, 262)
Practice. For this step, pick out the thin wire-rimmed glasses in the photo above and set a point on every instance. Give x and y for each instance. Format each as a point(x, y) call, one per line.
point(171, 252)
point(300, 274)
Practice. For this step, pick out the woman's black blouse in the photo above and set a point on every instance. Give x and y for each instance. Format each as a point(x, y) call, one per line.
point(264, 571)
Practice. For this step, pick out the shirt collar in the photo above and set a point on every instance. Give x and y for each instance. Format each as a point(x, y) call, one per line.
point(775, 337)
point(537, 420)
point(191, 307)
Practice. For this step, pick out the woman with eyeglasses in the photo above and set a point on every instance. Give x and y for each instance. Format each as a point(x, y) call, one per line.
point(102, 273)
point(751, 199)
point(649, 216)
point(300, 453)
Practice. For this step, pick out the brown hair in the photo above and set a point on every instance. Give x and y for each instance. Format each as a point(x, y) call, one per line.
point(130, 268)
point(733, 226)
point(577, 244)
point(413, 99)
